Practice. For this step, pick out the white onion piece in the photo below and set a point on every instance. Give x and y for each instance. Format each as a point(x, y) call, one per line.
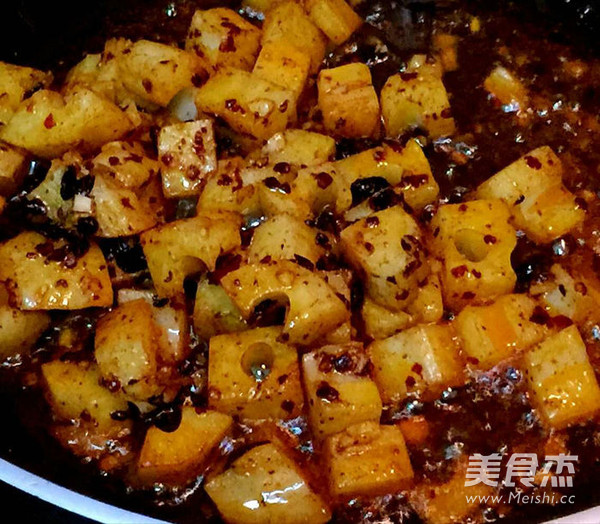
point(82, 204)
point(183, 107)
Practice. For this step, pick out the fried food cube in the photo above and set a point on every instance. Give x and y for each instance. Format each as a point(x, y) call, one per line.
point(12, 169)
point(285, 237)
point(335, 18)
point(120, 211)
point(387, 247)
point(405, 169)
point(215, 313)
point(126, 162)
point(176, 457)
point(496, 332)
point(299, 148)
point(48, 124)
point(339, 391)
point(416, 99)
point(539, 203)
point(562, 380)
point(188, 155)
point(428, 306)
point(381, 322)
point(264, 485)
point(348, 101)
point(19, 330)
point(156, 72)
point(314, 308)
point(367, 459)
point(16, 83)
point(178, 249)
point(223, 38)
point(507, 89)
point(283, 64)
point(287, 22)
point(249, 104)
point(126, 348)
point(422, 360)
point(253, 375)
point(75, 282)
point(474, 242)
point(74, 391)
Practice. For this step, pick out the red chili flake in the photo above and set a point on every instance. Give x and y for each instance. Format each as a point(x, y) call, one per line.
point(490, 239)
point(476, 273)
point(379, 155)
point(233, 29)
point(581, 288)
point(283, 107)
point(232, 105)
point(227, 45)
point(282, 168)
point(126, 203)
point(446, 113)
point(281, 380)
point(288, 405)
point(411, 267)
point(198, 146)
point(463, 207)
point(581, 203)
point(224, 180)
point(561, 322)
point(418, 369)
point(533, 162)
point(324, 179)
point(415, 180)
point(113, 160)
point(197, 80)
point(274, 184)
point(322, 240)
point(62, 283)
point(436, 232)
point(340, 122)
point(167, 158)
point(303, 262)
point(147, 85)
point(406, 245)
point(468, 295)
point(392, 279)
point(410, 382)
point(473, 360)
point(372, 221)
point(135, 158)
point(540, 316)
point(408, 76)
point(519, 200)
point(49, 121)
point(403, 295)
point(266, 259)
point(369, 247)
point(326, 392)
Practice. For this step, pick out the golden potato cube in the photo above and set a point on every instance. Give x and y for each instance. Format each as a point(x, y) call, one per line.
point(188, 154)
point(568, 293)
point(532, 188)
point(126, 162)
point(287, 22)
point(183, 247)
point(118, 210)
point(283, 64)
point(562, 380)
point(407, 169)
point(474, 241)
point(493, 333)
point(381, 322)
point(261, 6)
point(287, 238)
point(48, 125)
point(299, 148)
point(177, 457)
point(314, 308)
point(223, 38)
point(12, 169)
point(19, 330)
point(507, 89)
point(253, 375)
point(215, 313)
point(416, 99)
point(446, 44)
point(264, 485)
point(157, 72)
point(348, 101)
point(428, 306)
point(126, 348)
point(249, 104)
point(423, 360)
point(367, 459)
point(73, 390)
point(335, 18)
point(225, 191)
point(71, 283)
point(452, 501)
point(15, 84)
point(338, 390)
point(387, 247)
